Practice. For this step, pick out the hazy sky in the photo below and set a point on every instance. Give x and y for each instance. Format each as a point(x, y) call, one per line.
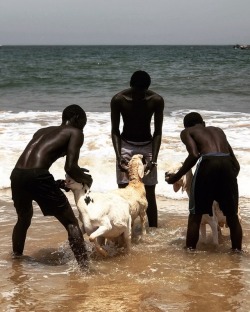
point(124, 22)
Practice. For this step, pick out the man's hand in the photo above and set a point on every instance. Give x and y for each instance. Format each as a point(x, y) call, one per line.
point(122, 164)
point(87, 178)
point(170, 178)
point(149, 167)
point(61, 184)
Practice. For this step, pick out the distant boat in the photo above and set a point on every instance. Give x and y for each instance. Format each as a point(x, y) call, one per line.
point(242, 46)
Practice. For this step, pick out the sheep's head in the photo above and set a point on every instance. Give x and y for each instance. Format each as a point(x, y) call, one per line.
point(136, 167)
point(73, 185)
point(184, 182)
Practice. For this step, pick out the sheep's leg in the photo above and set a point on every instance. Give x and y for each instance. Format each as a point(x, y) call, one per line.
point(101, 240)
point(99, 248)
point(127, 235)
point(143, 222)
point(203, 232)
point(214, 227)
point(133, 228)
point(99, 232)
point(219, 230)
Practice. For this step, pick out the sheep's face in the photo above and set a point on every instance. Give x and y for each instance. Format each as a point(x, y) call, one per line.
point(136, 163)
point(72, 184)
point(180, 183)
point(185, 181)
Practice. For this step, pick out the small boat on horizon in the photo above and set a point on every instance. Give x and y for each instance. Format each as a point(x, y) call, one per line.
point(242, 46)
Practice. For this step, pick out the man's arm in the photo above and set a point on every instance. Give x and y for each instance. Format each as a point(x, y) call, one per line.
point(72, 156)
point(190, 161)
point(157, 135)
point(115, 131)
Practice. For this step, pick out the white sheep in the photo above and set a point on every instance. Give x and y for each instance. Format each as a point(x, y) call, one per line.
point(134, 193)
point(215, 220)
point(103, 215)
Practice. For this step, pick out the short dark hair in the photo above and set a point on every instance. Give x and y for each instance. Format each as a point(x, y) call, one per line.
point(140, 80)
point(192, 119)
point(73, 110)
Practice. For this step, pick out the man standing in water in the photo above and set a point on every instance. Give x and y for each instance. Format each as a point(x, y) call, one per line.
point(137, 105)
point(31, 180)
point(215, 178)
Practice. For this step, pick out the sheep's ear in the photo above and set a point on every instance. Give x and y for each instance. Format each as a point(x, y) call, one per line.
point(176, 186)
point(184, 184)
point(141, 170)
point(187, 180)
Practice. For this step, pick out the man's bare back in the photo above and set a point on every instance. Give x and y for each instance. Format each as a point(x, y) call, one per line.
point(49, 144)
point(200, 140)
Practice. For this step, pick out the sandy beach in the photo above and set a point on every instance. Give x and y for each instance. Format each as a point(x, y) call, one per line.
point(158, 275)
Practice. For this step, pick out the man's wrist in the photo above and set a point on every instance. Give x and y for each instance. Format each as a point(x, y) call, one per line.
point(154, 163)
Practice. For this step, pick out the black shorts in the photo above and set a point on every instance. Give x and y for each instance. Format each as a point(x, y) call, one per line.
point(38, 185)
point(214, 179)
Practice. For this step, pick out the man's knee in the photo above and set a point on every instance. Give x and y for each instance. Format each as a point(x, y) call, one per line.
point(24, 219)
point(74, 231)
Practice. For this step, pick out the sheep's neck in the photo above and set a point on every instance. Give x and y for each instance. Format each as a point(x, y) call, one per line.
point(83, 198)
point(134, 180)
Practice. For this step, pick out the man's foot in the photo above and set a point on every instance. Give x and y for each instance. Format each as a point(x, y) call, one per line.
point(238, 251)
point(16, 255)
point(190, 249)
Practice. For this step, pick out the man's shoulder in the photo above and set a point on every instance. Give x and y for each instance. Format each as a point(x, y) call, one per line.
point(122, 94)
point(121, 98)
point(213, 128)
point(44, 130)
point(151, 95)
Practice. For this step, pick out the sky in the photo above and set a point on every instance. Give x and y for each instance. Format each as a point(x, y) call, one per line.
point(87, 22)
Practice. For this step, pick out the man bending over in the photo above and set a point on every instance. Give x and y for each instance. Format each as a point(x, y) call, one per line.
point(215, 177)
point(31, 180)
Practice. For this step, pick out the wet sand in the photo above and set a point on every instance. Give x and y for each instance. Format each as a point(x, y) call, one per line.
point(158, 275)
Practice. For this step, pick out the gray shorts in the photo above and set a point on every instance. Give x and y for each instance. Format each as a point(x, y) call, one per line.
point(128, 149)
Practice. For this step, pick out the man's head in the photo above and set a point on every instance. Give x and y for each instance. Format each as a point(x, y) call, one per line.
point(140, 80)
point(75, 115)
point(192, 119)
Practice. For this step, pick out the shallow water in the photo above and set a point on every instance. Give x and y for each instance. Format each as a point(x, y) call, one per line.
point(158, 275)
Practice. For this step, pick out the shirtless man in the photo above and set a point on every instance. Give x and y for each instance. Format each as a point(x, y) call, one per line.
point(215, 177)
point(31, 180)
point(137, 105)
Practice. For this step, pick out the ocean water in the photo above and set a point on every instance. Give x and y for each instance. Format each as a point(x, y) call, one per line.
point(51, 77)
point(36, 84)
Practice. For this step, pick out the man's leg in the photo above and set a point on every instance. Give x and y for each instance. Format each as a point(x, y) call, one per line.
point(193, 228)
point(235, 231)
point(75, 237)
point(152, 206)
point(20, 229)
